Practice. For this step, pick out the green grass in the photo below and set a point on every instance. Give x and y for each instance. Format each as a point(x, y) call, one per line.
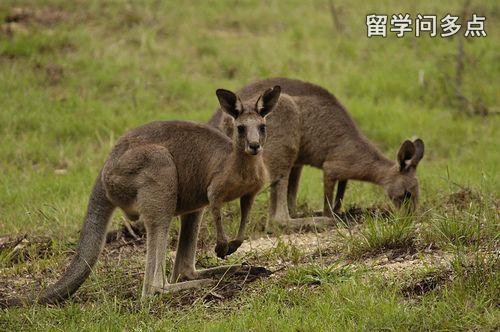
point(77, 75)
point(313, 274)
point(358, 302)
point(463, 222)
point(380, 234)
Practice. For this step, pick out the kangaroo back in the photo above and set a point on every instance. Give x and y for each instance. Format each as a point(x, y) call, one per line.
point(325, 125)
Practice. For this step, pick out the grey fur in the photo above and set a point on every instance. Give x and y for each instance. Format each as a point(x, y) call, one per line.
point(310, 127)
point(169, 168)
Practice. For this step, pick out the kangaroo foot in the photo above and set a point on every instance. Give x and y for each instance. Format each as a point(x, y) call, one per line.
point(233, 246)
point(231, 270)
point(307, 224)
point(178, 286)
point(221, 249)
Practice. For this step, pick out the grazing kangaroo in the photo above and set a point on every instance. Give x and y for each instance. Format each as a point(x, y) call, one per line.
point(169, 168)
point(310, 127)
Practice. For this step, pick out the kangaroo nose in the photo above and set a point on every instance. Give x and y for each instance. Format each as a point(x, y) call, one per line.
point(254, 146)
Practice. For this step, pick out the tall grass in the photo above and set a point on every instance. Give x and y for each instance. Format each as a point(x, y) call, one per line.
point(459, 223)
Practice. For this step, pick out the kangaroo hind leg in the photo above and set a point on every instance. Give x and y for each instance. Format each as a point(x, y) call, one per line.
point(278, 207)
point(293, 188)
point(184, 264)
point(156, 203)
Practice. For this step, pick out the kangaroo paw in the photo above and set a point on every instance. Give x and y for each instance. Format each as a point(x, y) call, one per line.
point(221, 249)
point(233, 246)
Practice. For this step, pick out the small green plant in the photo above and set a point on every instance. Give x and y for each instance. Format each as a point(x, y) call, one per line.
point(478, 273)
point(449, 230)
point(287, 251)
point(379, 234)
point(475, 225)
point(315, 274)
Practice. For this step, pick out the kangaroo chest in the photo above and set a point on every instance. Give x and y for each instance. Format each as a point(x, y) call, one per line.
point(237, 186)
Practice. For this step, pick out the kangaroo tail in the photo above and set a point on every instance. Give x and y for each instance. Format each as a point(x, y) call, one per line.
point(92, 240)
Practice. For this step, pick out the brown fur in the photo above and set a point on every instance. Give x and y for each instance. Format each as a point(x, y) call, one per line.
point(169, 168)
point(310, 127)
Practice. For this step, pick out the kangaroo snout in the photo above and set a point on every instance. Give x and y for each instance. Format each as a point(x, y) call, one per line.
point(254, 148)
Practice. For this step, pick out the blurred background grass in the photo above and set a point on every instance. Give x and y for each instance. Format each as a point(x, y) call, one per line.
point(75, 75)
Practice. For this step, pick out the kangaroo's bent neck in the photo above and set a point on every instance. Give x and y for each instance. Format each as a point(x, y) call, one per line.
point(366, 162)
point(379, 169)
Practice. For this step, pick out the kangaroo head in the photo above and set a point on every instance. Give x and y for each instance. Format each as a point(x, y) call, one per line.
point(402, 183)
point(249, 119)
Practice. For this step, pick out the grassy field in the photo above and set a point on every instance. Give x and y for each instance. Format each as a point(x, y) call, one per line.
point(75, 75)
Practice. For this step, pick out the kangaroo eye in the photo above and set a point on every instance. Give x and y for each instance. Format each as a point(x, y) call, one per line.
point(262, 128)
point(241, 130)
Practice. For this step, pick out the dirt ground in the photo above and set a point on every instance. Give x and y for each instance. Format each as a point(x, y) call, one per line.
point(320, 245)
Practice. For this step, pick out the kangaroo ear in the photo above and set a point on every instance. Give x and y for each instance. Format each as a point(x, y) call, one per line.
point(268, 101)
point(229, 102)
point(419, 151)
point(405, 155)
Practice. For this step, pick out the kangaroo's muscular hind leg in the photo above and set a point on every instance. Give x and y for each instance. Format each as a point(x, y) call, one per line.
point(156, 200)
point(328, 185)
point(157, 189)
point(293, 188)
point(278, 207)
point(155, 280)
point(184, 263)
point(156, 242)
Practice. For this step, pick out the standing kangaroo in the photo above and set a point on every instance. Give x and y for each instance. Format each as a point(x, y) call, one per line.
point(310, 127)
point(169, 168)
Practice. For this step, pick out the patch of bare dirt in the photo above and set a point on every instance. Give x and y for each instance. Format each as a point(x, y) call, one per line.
point(429, 282)
point(21, 20)
point(27, 15)
point(53, 73)
point(129, 230)
point(390, 266)
point(463, 198)
point(306, 243)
